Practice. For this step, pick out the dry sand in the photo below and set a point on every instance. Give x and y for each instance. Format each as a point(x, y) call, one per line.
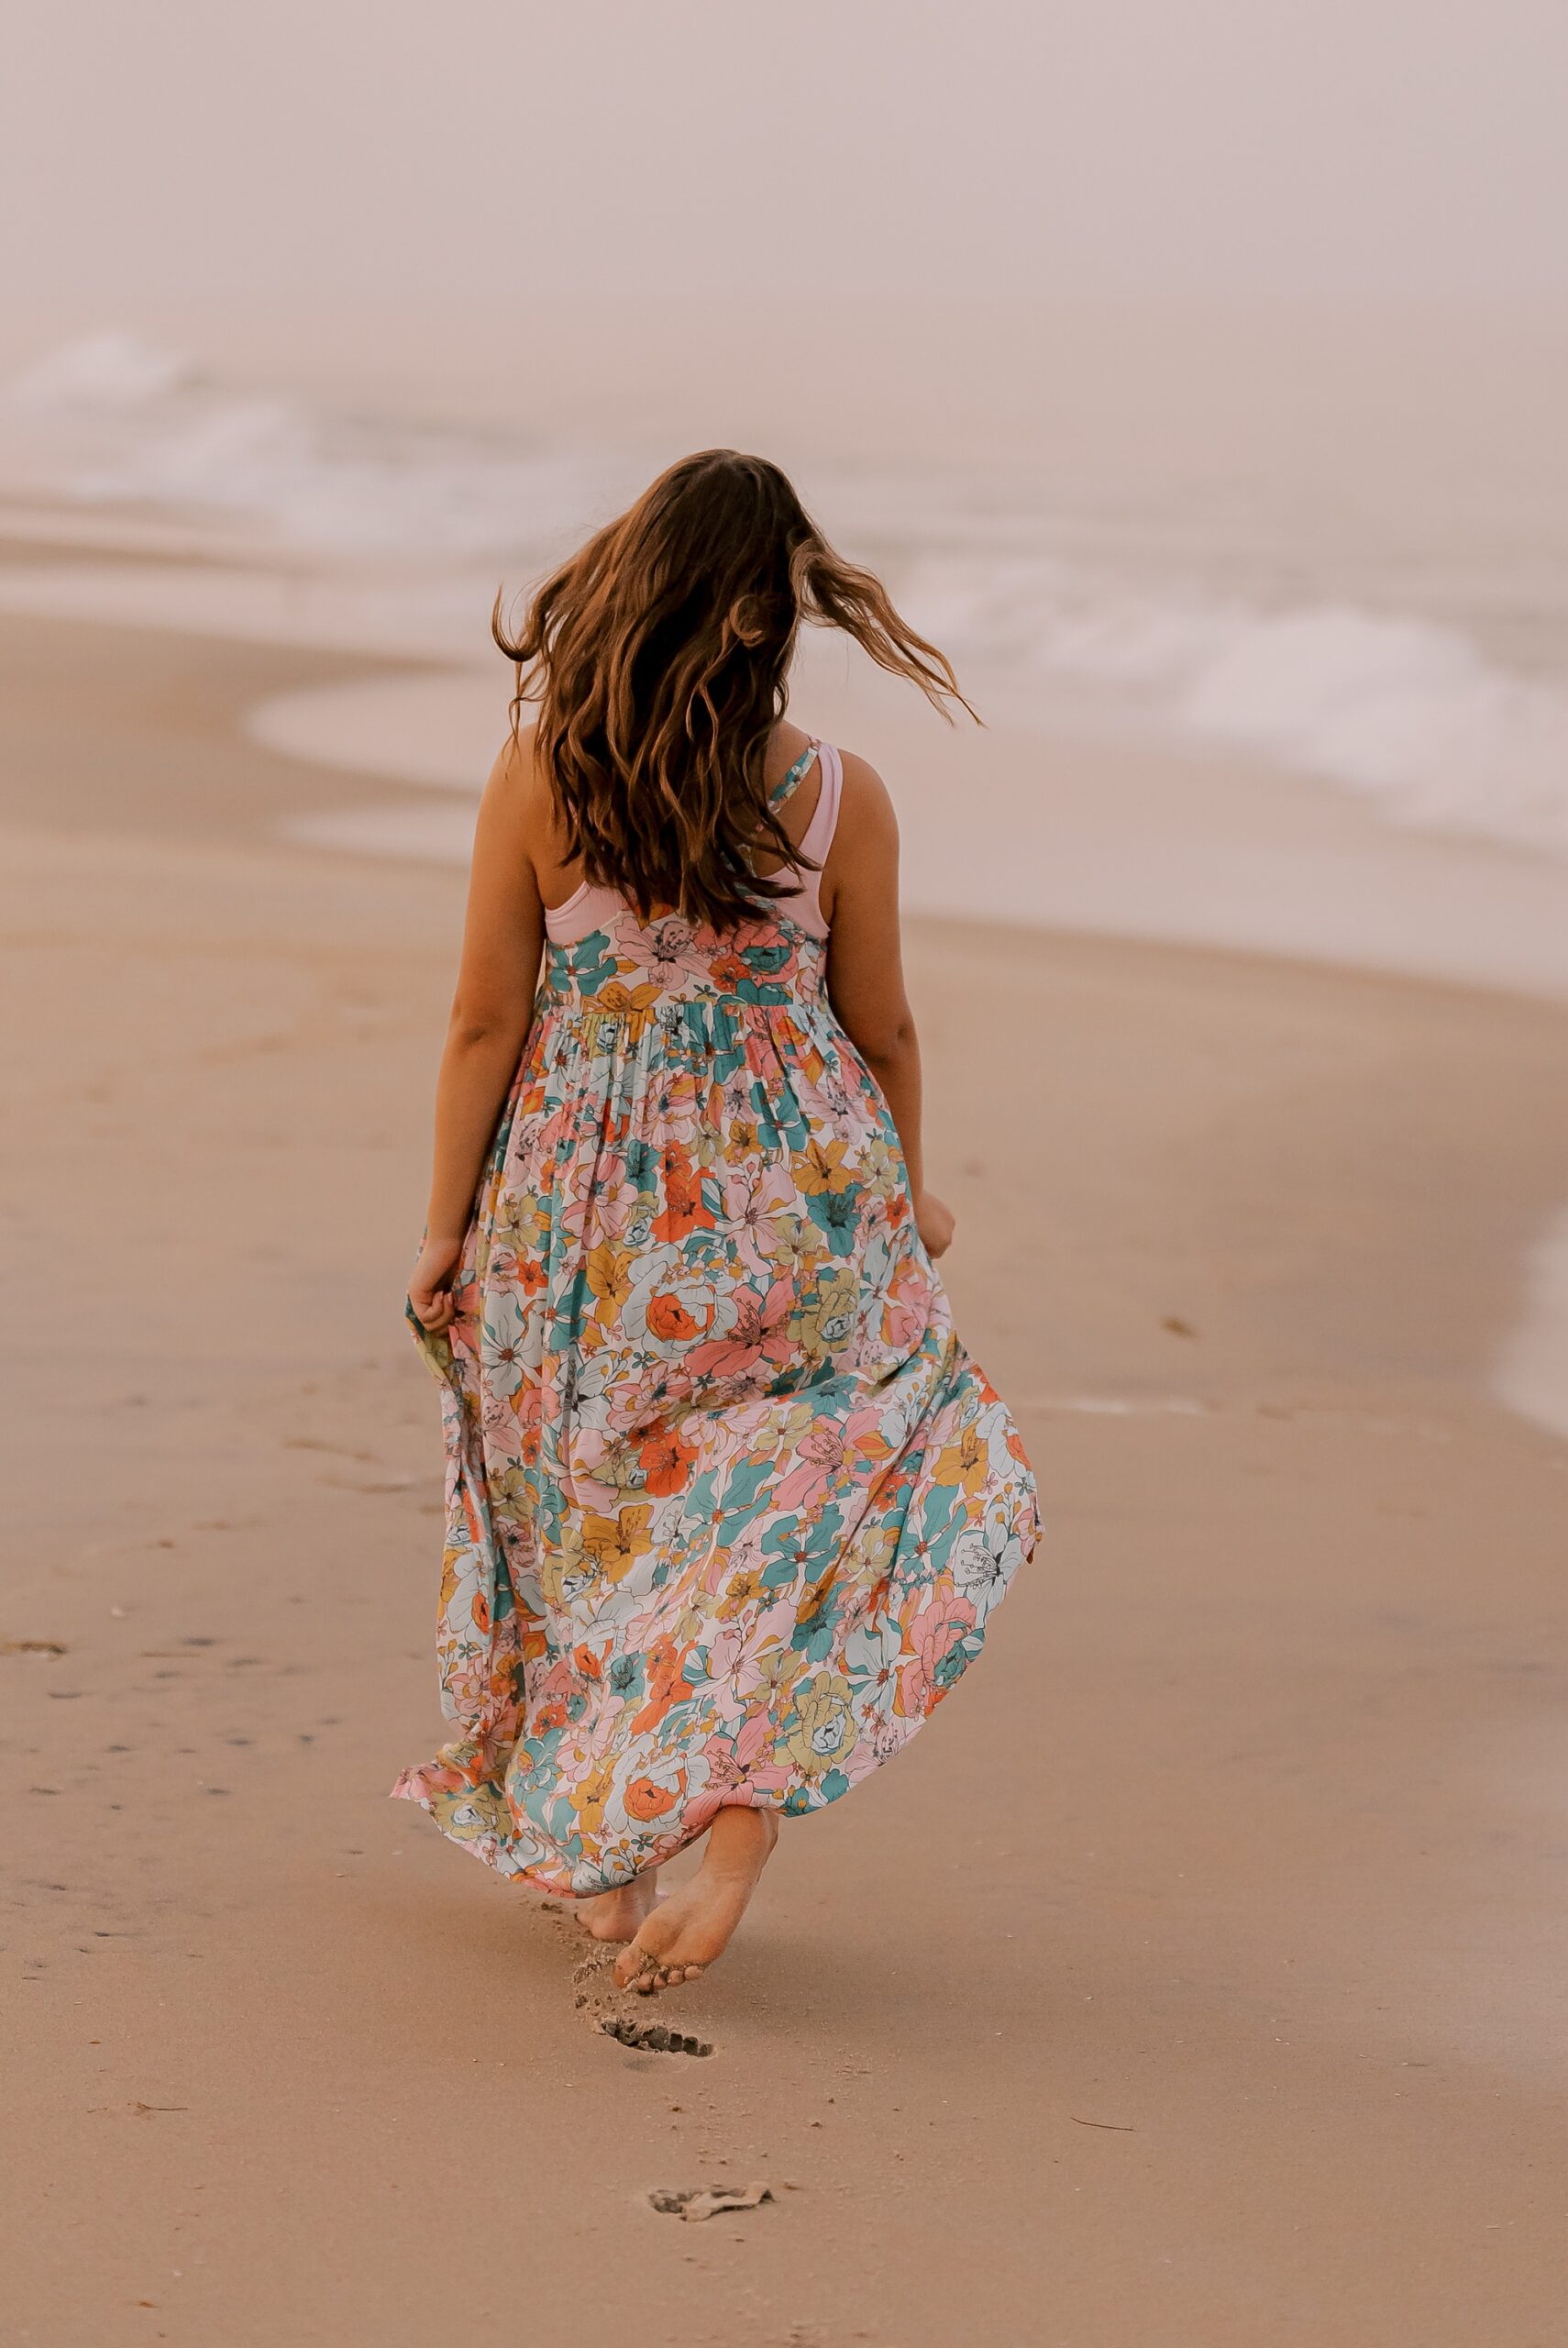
point(1195, 1980)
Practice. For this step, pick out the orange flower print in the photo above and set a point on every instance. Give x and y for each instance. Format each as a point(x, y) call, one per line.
point(666, 1462)
point(649, 1798)
point(730, 970)
point(666, 1683)
point(669, 1318)
point(684, 1212)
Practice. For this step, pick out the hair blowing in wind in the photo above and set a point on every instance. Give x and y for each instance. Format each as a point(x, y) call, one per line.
point(658, 657)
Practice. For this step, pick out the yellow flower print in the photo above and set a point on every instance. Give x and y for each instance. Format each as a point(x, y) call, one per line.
point(825, 1729)
point(792, 1243)
point(962, 1463)
point(776, 1670)
point(453, 1560)
point(878, 1547)
point(881, 1168)
point(616, 1543)
point(619, 1002)
point(590, 1795)
point(790, 1427)
point(609, 1274)
point(826, 1321)
point(468, 1816)
point(566, 1570)
point(820, 1167)
point(743, 1589)
point(512, 1499)
point(522, 1222)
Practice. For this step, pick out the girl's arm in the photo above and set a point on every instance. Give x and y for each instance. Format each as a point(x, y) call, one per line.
point(502, 938)
point(864, 970)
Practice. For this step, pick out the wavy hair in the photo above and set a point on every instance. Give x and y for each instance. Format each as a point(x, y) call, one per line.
point(658, 659)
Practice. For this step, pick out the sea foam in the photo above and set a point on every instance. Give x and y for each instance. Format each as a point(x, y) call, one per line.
point(1403, 710)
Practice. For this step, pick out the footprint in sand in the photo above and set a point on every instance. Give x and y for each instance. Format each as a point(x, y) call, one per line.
point(702, 2201)
point(608, 2009)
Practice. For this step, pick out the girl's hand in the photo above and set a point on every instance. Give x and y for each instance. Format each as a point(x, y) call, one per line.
point(430, 1290)
point(933, 1221)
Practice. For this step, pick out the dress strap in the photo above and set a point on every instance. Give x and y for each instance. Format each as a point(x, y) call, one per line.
point(796, 776)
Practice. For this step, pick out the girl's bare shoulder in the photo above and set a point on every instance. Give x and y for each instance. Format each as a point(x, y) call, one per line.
point(521, 776)
point(519, 770)
point(865, 815)
point(862, 863)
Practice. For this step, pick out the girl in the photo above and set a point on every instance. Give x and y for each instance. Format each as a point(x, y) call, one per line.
point(728, 1504)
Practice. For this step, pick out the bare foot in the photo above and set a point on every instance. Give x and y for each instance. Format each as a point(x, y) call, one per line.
point(693, 1926)
point(617, 1915)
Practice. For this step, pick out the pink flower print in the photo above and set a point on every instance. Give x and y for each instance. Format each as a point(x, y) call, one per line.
point(733, 1753)
point(756, 1655)
point(756, 1339)
point(934, 1631)
point(754, 1196)
point(621, 1212)
point(902, 1327)
point(806, 1487)
point(475, 1691)
point(560, 1680)
point(664, 949)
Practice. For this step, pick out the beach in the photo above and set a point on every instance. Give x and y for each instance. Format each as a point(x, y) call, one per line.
point(1195, 1979)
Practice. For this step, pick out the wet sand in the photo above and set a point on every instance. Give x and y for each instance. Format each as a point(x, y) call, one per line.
point(1196, 1979)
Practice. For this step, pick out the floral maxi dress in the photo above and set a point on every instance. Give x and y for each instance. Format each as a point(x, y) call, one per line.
point(728, 1505)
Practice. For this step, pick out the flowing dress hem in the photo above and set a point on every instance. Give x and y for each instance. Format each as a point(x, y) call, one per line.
point(420, 1784)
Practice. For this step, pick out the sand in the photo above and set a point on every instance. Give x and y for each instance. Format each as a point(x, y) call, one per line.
point(1196, 1979)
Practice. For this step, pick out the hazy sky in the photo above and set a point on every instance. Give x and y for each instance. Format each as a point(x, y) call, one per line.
point(305, 152)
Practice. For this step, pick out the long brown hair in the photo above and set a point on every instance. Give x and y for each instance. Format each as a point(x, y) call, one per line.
point(658, 657)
